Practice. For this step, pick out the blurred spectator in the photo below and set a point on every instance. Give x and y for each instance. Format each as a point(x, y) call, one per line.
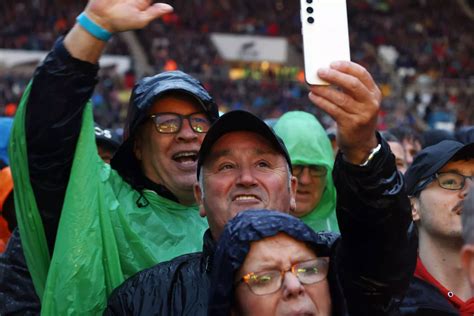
point(7, 210)
point(434, 136)
point(107, 142)
point(397, 149)
point(5, 128)
point(418, 51)
point(465, 135)
point(410, 140)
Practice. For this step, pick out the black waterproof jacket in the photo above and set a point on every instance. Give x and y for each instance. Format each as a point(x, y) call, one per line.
point(176, 287)
point(423, 299)
point(17, 292)
point(372, 262)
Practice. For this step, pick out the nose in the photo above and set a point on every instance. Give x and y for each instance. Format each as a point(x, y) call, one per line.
point(292, 287)
point(246, 177)
point(467, 186)
point(305, 176)
point(186, 133)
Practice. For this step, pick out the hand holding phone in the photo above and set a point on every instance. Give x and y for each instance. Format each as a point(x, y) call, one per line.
point(325, 36)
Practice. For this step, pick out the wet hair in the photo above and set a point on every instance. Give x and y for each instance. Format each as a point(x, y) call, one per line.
point(389, 137)
point(405, 133)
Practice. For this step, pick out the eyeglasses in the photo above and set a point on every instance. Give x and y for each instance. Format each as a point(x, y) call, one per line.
point(267, 282)
point(452, 180)
point(314, 170)
point(446, 180)
point(171, 123)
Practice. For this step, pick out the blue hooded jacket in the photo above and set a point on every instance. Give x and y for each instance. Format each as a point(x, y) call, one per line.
point(234, 245)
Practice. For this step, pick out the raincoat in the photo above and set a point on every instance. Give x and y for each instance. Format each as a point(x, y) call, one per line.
point(372, 262)
point(105, 230)
point(308, 144)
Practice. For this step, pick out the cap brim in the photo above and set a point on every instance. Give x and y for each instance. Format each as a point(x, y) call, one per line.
point(428, 162)
point(234, 121)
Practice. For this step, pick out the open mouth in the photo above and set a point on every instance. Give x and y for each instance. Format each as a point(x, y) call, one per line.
point(458, 208)
point(185, 157)
point(246, 197)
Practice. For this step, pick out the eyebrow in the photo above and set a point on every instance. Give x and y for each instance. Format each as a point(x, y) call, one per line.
point(226, 152)
point(457, 171)
point(266, 265)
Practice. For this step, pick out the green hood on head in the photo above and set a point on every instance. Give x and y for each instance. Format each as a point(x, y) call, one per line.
point(308, 144)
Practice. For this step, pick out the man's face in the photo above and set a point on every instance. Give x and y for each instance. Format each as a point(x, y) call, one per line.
point(170, 159)
point(309, 192)
point(243, 172)
point(412, 147)
point(280, 252)
point(437, 211)
point(399, 152)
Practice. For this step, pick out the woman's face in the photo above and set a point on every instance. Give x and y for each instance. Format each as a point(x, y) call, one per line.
point(280, 253)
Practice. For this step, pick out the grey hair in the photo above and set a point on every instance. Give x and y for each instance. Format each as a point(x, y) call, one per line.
point(201, 179)
point(468, 218)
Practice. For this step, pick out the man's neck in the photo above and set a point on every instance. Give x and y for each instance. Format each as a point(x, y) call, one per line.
point(441, 259)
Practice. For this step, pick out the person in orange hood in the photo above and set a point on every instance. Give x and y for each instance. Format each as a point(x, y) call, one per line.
point(6, 205)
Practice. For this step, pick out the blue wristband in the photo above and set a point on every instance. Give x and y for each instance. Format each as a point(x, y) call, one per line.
point(92, 28)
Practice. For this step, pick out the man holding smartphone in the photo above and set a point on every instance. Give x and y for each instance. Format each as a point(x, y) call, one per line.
point(237, 174)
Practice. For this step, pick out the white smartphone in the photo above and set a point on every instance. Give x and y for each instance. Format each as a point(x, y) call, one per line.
point(325, 36)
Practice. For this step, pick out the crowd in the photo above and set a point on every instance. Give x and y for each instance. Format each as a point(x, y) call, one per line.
point(421, 61)
point(198, 212)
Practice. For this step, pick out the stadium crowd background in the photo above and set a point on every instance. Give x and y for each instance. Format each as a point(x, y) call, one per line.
point(419, 51)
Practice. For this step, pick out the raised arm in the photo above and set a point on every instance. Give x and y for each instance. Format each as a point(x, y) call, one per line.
point(61, 87)
point(377, 254)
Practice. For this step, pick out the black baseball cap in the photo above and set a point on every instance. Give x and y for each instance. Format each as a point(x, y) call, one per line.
point(107, 137)
point(235, 121)
point(431, 159)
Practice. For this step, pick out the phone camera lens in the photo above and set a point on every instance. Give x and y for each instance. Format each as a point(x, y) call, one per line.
point(309, 10)
point(309, 1)
point(310, 20)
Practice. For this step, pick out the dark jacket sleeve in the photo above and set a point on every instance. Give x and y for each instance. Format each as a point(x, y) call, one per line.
point(376, 255)
point(17, 292)
point(61, 87)
point(176, 287)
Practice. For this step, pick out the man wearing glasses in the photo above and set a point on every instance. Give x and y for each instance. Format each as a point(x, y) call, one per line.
point(85, 225)
point(438, 182)
point(313, 160)
point(243, 165)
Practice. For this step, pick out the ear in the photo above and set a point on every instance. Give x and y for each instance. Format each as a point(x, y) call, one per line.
point(137, 146)
point(293, 187)
point(467, 262)
point(415, 209)
point(198, 196)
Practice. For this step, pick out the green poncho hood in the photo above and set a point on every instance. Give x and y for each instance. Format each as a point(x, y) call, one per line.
point(103, 237)
point(308, 144)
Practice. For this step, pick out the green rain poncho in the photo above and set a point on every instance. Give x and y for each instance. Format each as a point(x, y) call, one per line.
point(102, 238)
point(308, 144)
